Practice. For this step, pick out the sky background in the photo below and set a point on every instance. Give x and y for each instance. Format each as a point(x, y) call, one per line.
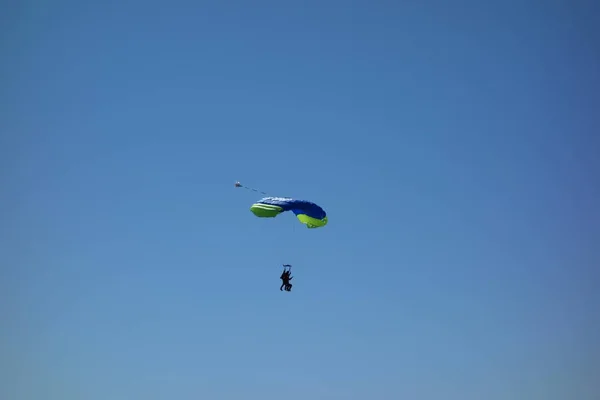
point(454, 146)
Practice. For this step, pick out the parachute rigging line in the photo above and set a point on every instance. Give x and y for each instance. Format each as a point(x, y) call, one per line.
point(239, 185)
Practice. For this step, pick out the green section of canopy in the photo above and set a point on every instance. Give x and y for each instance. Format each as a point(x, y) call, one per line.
point(311, 222)
point(265, 210)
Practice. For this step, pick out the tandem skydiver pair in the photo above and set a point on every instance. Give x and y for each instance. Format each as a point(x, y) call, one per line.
point(286, 278)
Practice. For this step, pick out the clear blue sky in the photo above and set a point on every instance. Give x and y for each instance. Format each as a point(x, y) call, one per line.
point(454, 146)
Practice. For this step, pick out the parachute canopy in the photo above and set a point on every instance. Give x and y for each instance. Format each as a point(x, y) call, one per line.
point(307, 212)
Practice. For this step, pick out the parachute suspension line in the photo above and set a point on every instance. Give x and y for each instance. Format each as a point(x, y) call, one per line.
point(293, 235)
point(239, 185)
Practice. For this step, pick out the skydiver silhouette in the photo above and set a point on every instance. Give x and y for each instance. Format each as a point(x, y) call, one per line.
point(285, 278)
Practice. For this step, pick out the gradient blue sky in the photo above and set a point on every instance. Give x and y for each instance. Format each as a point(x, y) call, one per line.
point(454, 145)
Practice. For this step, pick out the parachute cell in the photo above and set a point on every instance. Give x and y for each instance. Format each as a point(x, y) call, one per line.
point(307, 212)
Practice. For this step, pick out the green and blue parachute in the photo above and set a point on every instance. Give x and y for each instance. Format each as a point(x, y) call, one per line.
point(308, 213)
